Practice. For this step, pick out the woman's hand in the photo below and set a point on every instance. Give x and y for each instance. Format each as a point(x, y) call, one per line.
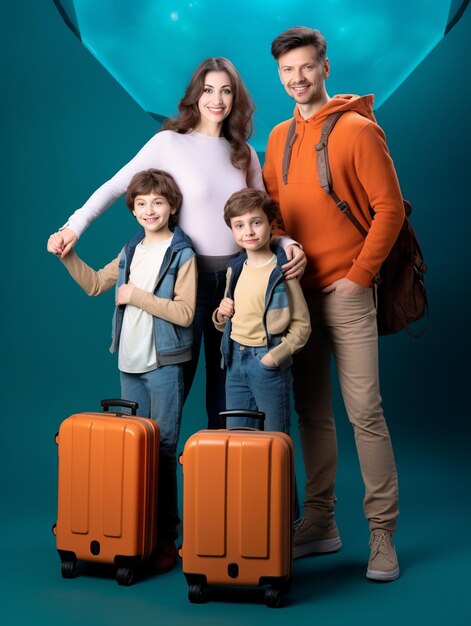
point(62, 242)
point(297, 262)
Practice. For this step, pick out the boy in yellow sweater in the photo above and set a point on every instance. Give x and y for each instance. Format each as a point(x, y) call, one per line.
point(264, 318)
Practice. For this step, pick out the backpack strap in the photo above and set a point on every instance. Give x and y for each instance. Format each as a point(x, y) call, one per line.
point(290, 139)
point(323, 168)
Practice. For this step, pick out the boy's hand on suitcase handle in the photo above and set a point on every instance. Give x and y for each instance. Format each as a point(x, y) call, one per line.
point(225, 310)
point(124, 294)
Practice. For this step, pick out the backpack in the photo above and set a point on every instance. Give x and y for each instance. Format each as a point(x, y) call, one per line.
point(400, 294)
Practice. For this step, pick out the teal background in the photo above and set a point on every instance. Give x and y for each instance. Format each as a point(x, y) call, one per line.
point(66, 127)
point(132, 40)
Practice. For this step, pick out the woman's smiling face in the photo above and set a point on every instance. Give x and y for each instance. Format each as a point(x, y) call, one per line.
point(215, 103)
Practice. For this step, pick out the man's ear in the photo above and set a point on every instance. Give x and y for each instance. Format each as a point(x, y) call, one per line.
point(326, 69)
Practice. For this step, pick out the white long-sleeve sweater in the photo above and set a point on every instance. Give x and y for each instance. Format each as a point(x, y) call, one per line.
point(201, 166)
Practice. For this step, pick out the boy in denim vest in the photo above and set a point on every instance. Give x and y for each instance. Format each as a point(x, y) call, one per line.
point(264, 318)
point(155, 277)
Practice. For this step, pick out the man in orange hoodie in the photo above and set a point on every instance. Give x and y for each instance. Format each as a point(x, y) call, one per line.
point(337, 284)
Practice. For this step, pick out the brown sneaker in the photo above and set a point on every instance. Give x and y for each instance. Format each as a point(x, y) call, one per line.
point(312, 539)
point(163, 559)
point(383, 563)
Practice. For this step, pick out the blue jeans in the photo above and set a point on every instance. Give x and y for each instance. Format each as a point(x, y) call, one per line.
point(211, 287)
point(252, 385)
point(159, 394)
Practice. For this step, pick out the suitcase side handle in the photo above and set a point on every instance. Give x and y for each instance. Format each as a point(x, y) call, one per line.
point(128, 404)
point(257, 415)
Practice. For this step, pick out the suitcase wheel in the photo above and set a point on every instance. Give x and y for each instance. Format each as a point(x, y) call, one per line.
point(273, 598)
point(69, 569)
point(125, 576)
point(196, 594)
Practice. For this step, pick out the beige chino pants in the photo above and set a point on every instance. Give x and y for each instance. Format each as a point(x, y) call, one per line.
point(344, 326)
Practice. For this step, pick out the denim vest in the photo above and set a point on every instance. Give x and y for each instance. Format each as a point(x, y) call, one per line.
point(276, 314)
point(172, 342)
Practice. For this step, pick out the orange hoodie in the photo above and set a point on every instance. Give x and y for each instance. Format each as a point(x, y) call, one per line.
point(363, 175)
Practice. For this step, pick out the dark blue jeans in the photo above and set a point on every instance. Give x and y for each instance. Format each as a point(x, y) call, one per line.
point(210, 293)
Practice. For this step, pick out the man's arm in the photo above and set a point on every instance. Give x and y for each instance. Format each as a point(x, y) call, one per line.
point(376, 172)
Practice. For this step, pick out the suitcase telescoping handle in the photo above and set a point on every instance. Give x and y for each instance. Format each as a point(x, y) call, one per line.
point(256, 415)
point(128, 404)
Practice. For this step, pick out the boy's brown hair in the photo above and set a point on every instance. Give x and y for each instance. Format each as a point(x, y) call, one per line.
point(246, 200)
point(159, 182)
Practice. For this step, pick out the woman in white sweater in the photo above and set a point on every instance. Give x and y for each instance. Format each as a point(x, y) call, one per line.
point(204, 148)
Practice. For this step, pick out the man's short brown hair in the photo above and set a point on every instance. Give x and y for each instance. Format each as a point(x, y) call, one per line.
point(297, 37)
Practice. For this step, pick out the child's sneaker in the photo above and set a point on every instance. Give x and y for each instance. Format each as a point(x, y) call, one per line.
point(312, 539)
point(383, 563)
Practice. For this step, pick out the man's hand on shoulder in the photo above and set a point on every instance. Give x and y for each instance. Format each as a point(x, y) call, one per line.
point(297, 262)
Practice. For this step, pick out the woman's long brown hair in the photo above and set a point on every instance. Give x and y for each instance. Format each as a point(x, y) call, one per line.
point(236, 128)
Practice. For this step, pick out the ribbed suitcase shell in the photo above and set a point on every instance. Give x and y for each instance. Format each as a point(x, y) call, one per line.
point(107, 487)
point(238, 500)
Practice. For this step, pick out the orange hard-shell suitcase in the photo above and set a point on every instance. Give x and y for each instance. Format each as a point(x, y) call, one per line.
point(238, 504)
point(107, 491)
